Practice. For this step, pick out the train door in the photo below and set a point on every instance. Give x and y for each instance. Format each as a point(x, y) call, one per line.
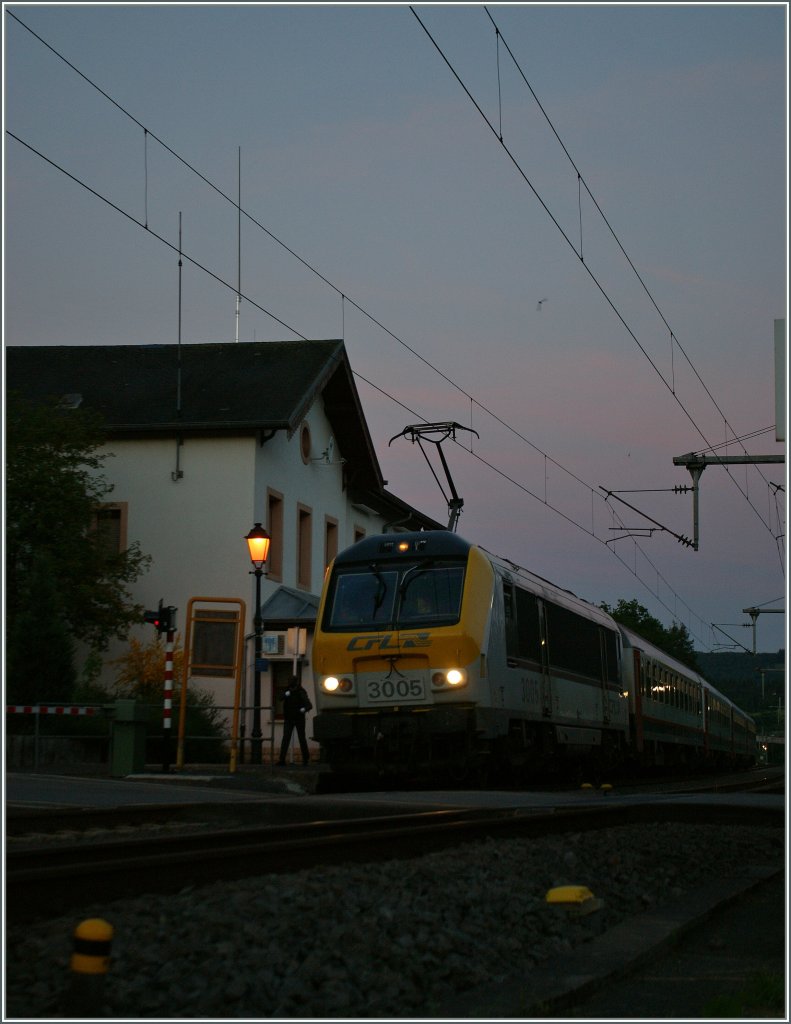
point(546, 678)
point(603, 674)
point(637, 685)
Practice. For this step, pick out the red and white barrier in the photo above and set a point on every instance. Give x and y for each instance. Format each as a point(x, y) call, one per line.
point(50, 709)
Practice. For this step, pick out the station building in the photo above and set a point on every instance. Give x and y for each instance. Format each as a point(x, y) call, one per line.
point(206, 441)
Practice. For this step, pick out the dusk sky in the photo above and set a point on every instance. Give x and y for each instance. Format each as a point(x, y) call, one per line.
point(473, 279)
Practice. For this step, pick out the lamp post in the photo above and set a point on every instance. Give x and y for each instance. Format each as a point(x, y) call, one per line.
point(258, 541)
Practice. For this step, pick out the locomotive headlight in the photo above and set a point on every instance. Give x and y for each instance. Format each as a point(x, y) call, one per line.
point(450, 677)
point(332, 684)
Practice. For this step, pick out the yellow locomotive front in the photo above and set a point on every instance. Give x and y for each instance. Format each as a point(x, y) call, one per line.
point(399, 654)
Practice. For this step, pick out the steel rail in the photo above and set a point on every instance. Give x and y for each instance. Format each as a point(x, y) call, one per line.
point(47, 881)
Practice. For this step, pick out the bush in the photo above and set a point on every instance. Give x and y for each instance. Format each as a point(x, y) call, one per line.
point(141, 676)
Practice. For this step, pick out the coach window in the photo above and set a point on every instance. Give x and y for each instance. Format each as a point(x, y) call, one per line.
point(573, 642)
point(511, 634)
point(528, 625)
point(611, 656)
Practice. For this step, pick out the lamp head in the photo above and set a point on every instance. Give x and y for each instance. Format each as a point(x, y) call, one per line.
point(258, 541)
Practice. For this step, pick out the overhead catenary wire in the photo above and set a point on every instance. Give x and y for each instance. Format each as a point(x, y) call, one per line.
point(150, 231)
point(307, 265)
point(670, 386)
point(581, 181)
point(373, 319)
point(232, 287)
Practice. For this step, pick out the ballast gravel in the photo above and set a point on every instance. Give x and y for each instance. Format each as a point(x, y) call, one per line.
point(388, 939)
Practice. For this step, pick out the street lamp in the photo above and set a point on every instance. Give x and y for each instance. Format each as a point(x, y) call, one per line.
point(258, 541)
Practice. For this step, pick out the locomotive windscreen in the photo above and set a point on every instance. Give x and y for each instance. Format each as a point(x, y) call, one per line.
point(407, 595)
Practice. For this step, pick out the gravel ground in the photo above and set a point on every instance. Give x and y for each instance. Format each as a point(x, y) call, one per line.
point(391, 939)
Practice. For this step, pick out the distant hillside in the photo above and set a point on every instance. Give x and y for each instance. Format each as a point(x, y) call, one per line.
point(738, 676)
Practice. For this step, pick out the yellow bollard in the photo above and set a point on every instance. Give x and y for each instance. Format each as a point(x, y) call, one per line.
point(90, 962)
point(569, 894)
point(576, 900)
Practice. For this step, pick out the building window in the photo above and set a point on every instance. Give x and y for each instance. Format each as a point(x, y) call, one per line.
point(304, 443)
point(274, 519)
point(304, 547)
point(359, 533)
point(109, 523)
point(330, 539)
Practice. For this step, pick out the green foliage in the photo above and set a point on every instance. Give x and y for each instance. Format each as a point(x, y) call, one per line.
point(674, 641)
point(39, 649)
point(756, 682)
point(762, 996)
point(54, 486)
point(141, 676)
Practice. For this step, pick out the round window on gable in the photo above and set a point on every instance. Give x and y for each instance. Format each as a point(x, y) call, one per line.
point(304, 443)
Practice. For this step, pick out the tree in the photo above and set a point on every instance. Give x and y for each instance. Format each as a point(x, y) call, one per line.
point(674, 641)
point(54, 487)
point(39, 648)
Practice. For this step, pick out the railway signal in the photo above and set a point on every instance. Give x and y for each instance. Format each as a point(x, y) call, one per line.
point(164, 618)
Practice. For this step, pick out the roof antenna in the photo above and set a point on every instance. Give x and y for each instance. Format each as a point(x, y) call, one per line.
point(179, 472)
point(239, 244)
point(423, 431)
point(178, 372)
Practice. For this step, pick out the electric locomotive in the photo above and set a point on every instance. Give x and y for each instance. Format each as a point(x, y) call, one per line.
point(433, 655)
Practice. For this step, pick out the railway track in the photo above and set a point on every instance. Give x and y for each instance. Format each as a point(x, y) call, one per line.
point(46, 880)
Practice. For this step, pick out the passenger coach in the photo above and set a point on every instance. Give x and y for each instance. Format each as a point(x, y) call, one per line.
point(677, 717)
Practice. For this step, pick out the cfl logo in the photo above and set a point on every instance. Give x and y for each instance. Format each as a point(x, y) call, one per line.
point(387, 642)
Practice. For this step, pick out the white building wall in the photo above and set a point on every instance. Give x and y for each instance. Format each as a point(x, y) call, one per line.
point(193, 525)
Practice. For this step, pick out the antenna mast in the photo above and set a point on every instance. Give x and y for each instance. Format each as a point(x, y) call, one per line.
point(239, 243)
point(178, 473)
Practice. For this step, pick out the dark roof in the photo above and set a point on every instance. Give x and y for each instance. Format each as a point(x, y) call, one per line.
point(162, 390)
point(136, 387)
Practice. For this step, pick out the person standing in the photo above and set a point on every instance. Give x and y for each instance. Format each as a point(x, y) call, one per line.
point(296, 705)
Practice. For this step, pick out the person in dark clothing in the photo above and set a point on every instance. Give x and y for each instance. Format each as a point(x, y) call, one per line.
point(296, 705)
